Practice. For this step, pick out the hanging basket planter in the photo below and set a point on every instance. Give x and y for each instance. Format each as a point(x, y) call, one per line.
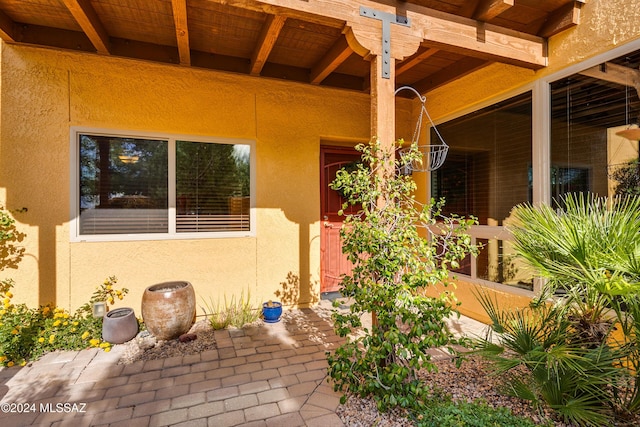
point(433, 155)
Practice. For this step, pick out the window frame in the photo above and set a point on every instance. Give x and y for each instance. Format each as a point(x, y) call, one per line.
point(496, 232)
point(74, 221)
point(540, 152)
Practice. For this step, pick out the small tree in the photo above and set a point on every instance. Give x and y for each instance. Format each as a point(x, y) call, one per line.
point(628, 178)
point(398, 247)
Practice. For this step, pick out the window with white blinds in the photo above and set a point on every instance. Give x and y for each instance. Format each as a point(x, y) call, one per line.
point(154, 187)
point(212, 187)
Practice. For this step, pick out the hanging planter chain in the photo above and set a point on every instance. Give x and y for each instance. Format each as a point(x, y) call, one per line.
point(433, 155)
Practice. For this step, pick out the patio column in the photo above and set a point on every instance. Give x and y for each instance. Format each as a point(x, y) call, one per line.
point(383, 118)
point(384, 37)
point(383, 111)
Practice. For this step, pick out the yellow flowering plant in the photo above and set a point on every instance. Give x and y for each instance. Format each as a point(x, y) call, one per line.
point(19, 327)
point(27, 333)
point(80, 330)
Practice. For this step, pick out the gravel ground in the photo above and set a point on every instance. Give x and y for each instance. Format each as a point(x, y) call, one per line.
point(472, 381)
point(146, 347)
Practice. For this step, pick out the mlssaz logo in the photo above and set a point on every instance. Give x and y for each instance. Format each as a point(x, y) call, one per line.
point(63, 407)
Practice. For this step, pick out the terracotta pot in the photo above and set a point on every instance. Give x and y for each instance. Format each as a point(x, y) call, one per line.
point(119, 325)
point(169, 309)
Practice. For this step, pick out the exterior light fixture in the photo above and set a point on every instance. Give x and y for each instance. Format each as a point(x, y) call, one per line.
point(99, 309)
point(125, 158)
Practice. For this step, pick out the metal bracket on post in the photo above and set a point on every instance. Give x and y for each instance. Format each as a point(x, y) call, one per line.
point(387, 19)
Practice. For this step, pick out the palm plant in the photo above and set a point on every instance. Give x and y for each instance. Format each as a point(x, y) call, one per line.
point(568, 340)
point(539, 354)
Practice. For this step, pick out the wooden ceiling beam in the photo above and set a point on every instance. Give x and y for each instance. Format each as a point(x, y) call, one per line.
point(86, 16)
point(562, 19)
point(273, 8)
point(8, 28)
point(338, 53)
point(414, 60)
point(56, 38)
point(179, 8)
point(452, 72)
point(489, 9)
point(469, 7)
point(481, 40)
point(270, 32)
point(442, 30)
point(615, 73)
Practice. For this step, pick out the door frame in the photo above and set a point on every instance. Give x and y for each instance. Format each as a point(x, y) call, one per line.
point(324, 150)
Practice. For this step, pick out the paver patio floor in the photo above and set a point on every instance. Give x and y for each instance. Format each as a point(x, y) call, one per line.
point(265, 375)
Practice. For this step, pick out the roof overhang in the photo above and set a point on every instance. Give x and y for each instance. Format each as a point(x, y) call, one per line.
point(320, 42)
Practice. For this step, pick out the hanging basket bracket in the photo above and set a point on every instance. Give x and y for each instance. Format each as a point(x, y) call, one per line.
point(433, 155)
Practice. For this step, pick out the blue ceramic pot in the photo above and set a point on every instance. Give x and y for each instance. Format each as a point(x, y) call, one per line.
point(271, 313)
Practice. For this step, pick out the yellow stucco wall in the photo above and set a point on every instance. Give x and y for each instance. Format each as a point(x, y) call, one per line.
point(466, 294)
point(46, 92)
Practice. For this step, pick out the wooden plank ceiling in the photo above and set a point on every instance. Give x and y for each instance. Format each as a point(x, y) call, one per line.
point(268, 38)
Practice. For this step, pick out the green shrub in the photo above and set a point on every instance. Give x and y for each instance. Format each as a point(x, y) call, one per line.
point(445, 413)
point(19, 327)
point(560, 370)
point(27, 333)
point(396, 246)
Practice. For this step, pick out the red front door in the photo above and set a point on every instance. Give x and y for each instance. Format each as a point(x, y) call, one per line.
point(333, 263)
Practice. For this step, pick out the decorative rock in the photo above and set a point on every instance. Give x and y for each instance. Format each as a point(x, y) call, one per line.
point(145, 340)
point(146, 347)
point(187, 337)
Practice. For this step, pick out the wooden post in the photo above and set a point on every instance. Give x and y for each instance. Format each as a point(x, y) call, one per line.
point(383, 122)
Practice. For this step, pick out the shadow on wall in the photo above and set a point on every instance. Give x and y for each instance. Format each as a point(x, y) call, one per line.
point(293, 293)
point(10, 253)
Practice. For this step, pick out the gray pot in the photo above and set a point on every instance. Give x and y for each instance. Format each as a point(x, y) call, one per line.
point(119, 325)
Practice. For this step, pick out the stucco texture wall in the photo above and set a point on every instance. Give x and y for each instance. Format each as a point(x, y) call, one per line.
point(46, 92)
